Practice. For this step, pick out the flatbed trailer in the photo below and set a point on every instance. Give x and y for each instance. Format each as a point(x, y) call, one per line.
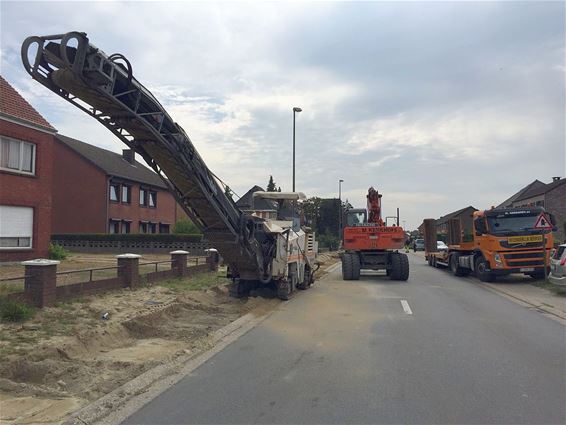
point(518, 247)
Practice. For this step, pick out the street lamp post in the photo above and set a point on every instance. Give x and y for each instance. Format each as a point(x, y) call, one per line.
point(295, 110)
point(340, 207)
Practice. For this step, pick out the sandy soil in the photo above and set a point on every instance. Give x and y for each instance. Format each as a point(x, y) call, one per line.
point(68, 356)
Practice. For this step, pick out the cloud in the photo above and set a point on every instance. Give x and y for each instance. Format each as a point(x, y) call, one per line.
point(438, 105)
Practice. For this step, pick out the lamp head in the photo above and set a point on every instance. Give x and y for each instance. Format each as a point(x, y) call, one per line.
point(296, 109)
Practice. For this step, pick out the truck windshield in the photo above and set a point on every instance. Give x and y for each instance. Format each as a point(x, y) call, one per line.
point(505, 224)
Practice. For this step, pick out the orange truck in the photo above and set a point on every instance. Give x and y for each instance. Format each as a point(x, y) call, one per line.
point(370, 244)
point(502, 241)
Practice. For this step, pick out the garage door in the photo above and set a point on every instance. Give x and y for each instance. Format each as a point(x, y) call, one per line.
point(16, 227)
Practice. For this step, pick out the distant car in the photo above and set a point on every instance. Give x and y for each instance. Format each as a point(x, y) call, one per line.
point(557, 274)
point(418, 245)
point(441, 246)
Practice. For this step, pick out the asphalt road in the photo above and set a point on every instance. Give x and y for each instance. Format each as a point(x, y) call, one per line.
point(436, 349)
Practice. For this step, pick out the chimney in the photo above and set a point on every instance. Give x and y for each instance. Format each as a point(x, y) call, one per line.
point(555, 179)
point(129, 155)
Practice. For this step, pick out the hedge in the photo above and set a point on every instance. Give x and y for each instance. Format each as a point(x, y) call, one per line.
point(127, 237)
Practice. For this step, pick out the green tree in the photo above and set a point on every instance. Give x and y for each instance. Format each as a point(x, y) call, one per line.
point(228, 192)
point(271, 185)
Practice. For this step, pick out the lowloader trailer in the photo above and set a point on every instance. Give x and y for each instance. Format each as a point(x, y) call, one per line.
point(502, 241)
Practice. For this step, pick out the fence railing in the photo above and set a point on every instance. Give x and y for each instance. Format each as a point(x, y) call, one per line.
point(43, 284)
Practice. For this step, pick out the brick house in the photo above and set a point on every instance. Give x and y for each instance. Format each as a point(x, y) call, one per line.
point(466, 221)
point(99, 191)
point(551, 196)
point(26, 169)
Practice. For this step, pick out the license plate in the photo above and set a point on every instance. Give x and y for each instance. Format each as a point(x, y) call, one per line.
point(524, 239)
point(527, 269)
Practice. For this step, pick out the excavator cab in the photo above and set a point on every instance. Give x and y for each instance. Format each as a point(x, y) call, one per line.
point(356, 217)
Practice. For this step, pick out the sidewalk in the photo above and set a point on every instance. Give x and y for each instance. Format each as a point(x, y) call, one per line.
point(520, 288)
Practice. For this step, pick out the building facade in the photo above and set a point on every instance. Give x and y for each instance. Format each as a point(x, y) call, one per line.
point(26, 170)
point(99, 191)
point(551, 196)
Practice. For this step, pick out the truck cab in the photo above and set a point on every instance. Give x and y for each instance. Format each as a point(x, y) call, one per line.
point(502, 241)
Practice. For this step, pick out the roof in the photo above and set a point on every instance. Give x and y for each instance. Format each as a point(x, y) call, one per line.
point(444, 219)
point(259, 204)
point(531, 186)
point(13, 105)
point(540, 190)
point(112, 163)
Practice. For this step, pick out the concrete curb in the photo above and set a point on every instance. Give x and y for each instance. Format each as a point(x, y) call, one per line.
point(529, 304)
point(119, 404)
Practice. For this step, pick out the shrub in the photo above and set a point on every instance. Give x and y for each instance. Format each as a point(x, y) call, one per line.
point(57, 252)
point(185, 227)
point(13, 311)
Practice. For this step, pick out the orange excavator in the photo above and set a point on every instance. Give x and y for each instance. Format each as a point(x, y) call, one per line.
point(369, 243)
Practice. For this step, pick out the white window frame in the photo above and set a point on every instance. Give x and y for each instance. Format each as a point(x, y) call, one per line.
point(20, 248)
point(33, 157)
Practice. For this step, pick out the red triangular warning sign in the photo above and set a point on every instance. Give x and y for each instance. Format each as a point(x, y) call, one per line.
point(543, 222)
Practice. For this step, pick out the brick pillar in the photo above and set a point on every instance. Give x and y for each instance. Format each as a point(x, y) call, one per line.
point(129, 269)
point(40, 285)
point(212, 259)
point(179, 262)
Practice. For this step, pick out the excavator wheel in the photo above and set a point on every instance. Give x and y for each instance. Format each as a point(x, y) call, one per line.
point(283, 289)
point(399, 266)
point(356, 267)
point(347, 266)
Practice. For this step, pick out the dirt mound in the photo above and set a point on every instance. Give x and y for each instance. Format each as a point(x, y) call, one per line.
point(84, 357)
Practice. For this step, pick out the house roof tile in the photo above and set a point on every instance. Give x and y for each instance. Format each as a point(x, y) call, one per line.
point(14, 105)
point(445, 218)
point(112, 163)
point(540, 190)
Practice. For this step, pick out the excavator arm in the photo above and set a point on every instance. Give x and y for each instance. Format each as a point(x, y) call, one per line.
point(104, 87)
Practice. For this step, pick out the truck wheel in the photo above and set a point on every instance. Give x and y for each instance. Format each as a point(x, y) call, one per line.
point(455, 266)
point(481, 271)
point(356, 266)
point(347, 266)
point(399, 266)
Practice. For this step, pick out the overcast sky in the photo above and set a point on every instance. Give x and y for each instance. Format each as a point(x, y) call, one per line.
point(437, 105)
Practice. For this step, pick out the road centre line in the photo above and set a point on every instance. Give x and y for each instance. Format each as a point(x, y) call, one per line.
point(406, 307)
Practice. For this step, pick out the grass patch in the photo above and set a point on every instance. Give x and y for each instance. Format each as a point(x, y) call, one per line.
point(193, 283)
point(558, 290)
point(13, 311)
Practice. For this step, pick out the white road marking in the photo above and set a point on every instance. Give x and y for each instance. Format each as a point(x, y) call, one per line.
point(406, 307)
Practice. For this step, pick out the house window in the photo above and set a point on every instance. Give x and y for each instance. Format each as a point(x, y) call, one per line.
point(163, 228)
point(152, 199)
point(16, 227)
point(126, 194)
point(143, 197)
point(114, 191)
point(125, 226)
point(151, 227)
point(17, 156)
point(143, 227)
point(114, 226)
